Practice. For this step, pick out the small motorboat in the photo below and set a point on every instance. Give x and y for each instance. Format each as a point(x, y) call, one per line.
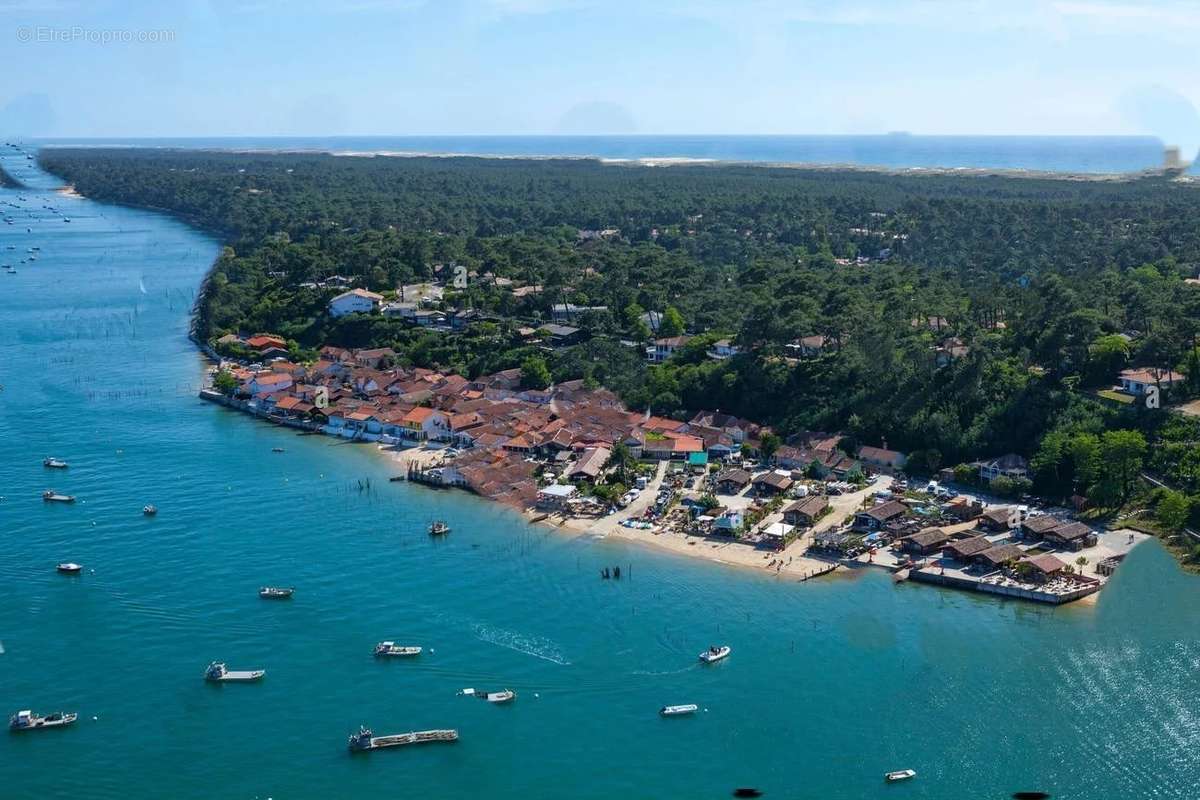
point(715, 653)
point(678, 711)
point(51, 496)
point(900, 775)
point(149, 510)
point(54, 463)
point(276, 592)
point(366, 740)
point(276, 449)
point(217, 672)
point(393, 649)
point(69, 568)
point(439, 528)
point(27, 720)
point(506, 696)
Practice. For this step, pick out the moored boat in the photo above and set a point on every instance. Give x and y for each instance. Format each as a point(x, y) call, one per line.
point(439, 528)
point(366, 740)
point(51, 496)
point(677, 711)
point(715, 653)
point(218, 672)
point(276, 592)
point(505, 696)
point(27, 720)
point(393, 649)
point(69, 568)
point(149, 510)
point(54, 463)
point(900, 775)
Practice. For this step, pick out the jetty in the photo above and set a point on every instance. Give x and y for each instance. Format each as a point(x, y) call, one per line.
point(366, 740)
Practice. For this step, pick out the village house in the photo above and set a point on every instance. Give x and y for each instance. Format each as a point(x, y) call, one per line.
point(563, 313)
point(927, 541)
point(562, 335)
point(1000, 518)
point(1037, 527)
point(732, 481)
point(1043, 567)
point(355, 301)
point(874, 518)
point(881, 459)
point(1073, 536)
point(963, 550)
point(996, 556)
point(590, 464)
point(730, 520)
point(1137, 381)
point(266, 341)
point(262, 382)
point(665, 348)
point(556, 496)
point(772, 483)
point(723, 349)
point(806, 511)
point(423, 423)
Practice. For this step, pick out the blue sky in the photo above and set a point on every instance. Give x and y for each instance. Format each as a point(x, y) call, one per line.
point(268, 67)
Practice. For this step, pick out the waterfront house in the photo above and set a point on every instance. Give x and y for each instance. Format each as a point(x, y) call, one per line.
point(1000, 518)
point(355, 301)
point(556, 496)
point(1073, 536)
point(927, 541)
point(268, 382)
point(1043, 567)
point(777, 534)
point(997, 556)
point(590, 464)
point(422, 423)
point(266, 341)
point(1010, 465)
point(772, 483)
point(1137, 381)
point(732, 481)
point(806, 511)
point(1037, 527)
point(874, 518)
point(963, 550)
point(730, 521)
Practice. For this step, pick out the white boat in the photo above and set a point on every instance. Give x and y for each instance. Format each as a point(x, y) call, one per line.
point(678, 711)
point(506, 696)
point(149, 511)
point(217, 672)
point(51, 496)
point(715, 653)
point(900, 775)
point(393, 649)
point(27, 720)
point(276, 592)
point(366, 740)
point(69, 567)
point(54, 463)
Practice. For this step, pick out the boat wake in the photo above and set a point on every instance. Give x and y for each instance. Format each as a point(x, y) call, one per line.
point(528, 645)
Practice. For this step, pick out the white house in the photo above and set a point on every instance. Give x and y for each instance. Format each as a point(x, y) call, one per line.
point(556, 495)
point(1136, 381)
point(355, 301)
point(667, 347)
point(1010, 466)
point(268, 382)
point(722, 349)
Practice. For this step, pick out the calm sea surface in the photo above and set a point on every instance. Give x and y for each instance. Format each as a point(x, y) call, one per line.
point(1052, 153)
point(831, 682)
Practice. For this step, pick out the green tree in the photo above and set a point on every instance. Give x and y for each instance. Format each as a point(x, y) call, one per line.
point(1172, 511)
point(225, 383)
point(672, 323)
point(768, 444)
point(534, 373)
point(1122, 454)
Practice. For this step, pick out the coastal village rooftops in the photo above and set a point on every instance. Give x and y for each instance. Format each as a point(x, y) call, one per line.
point(1046, 563)
point(809, 506)
point(1148, 375)
point(886, 511)
point(998, 515)
point(779, 481)
point(963, 549)
point(998, 555)
point(929, 537)
point(264, 341)
point(1070, 532)
point(419, 414)
point(1042, 524)
point(737, 477)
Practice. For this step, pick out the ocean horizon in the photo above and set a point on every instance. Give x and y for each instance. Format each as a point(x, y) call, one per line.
point(1063, 154)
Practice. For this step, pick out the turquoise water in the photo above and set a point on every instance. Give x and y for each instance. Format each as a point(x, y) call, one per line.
point(831, 682)
point(1052, 153)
